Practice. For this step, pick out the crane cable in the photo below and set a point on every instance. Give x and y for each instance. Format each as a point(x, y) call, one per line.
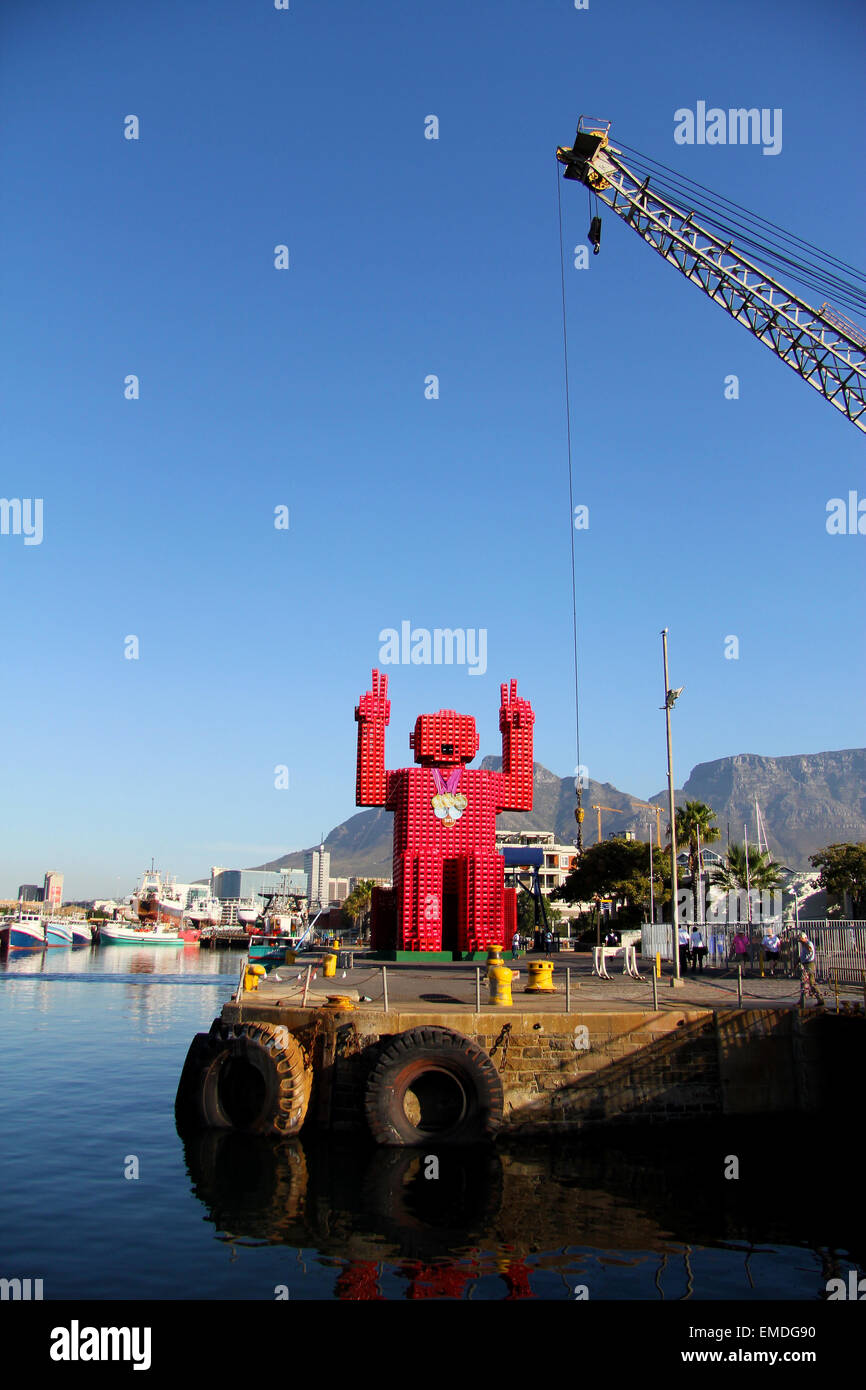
point(578, 784)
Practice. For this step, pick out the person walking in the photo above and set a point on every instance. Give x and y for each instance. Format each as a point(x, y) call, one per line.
point(612, 938)
point(808, 961)
point(515, 945)
point(685, 954)
point(699, 950)
point(548, 942)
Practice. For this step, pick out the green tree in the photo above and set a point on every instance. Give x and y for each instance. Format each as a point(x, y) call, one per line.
point(695, 826)
point(357, 905)
point(618, 868)
point(738, 872)
point(526, 915)
point(843, 870)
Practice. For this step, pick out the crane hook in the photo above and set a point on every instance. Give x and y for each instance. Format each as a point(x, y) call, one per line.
point(595, 235)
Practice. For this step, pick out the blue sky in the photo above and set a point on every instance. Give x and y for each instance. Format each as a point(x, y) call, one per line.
point(305, 388)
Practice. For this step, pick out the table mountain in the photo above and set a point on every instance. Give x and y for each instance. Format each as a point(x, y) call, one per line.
point(806, 800)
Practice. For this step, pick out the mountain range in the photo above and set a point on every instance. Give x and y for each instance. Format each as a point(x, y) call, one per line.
point(806, 801)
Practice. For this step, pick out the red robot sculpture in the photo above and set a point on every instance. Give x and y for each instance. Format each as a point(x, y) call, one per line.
point(448, 891)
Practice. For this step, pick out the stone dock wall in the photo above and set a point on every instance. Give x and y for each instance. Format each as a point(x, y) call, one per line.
point(569, 1071)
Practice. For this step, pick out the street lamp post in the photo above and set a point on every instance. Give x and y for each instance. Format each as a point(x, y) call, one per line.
point(671, 697)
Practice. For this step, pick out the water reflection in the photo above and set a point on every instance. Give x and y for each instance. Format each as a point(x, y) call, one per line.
point(643, 1219)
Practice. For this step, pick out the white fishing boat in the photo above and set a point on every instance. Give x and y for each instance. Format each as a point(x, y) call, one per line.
point(156, 901)
point(58, 931)
point(248, 912)
point(127, 934)
point(204, 912)
point(26, 931)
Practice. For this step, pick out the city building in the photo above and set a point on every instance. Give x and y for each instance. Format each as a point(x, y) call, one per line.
point(317, 867)
point(239, 884)
point(339, 889)
point(30, 893)
point(559, 859)
point(52, 892)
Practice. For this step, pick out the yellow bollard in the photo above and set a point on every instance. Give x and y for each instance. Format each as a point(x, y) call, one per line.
point(494, 955)
point(540, 977)
point(329, 965)
point(339, 1001)
point(499, 979)
point(252, 975)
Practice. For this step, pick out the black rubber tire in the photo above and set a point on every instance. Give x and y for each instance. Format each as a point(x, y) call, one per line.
point(250, 1077)
point(464, 1103)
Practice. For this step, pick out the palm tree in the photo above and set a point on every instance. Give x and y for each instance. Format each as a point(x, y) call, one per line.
point(738, 872)
point(357, 905)
point(696, 826)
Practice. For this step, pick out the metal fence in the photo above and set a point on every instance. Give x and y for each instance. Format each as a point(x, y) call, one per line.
point(840, 946)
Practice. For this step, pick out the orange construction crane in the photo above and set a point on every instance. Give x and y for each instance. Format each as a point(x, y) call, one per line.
point(605, 808)
point(651, 806)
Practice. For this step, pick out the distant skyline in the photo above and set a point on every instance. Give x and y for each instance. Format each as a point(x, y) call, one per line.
point(248, 474)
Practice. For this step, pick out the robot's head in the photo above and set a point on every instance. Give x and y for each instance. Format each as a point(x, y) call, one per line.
point(444, 739)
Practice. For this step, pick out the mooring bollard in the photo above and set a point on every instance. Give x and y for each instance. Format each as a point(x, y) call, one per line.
point(252, 975)
point(540, 978)
point(739, 984)
point(499, 979)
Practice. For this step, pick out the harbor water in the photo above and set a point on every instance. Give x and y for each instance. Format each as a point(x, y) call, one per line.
point(101, 1198)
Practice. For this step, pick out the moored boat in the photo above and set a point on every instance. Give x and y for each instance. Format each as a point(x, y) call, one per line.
point(81, 933)
point(126, 934)
point(26, 932)
point(58, 932)
point(270, 948)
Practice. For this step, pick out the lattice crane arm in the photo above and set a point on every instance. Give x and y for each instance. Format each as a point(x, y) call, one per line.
point(821, 346)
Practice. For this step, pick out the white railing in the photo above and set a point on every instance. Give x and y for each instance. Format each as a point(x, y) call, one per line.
point(840, 945)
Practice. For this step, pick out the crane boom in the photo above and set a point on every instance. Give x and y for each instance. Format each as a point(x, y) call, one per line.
point(820, 345)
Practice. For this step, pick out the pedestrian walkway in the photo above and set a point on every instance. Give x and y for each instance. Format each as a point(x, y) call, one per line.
point(452, 986)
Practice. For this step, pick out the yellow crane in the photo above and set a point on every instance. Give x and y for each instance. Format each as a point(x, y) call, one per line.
point(605, 808)
point(651, 806)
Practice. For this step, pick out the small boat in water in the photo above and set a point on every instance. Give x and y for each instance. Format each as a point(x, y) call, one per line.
point(26, 932)
point(81, 932)
point(128, 934)
point(58, 932)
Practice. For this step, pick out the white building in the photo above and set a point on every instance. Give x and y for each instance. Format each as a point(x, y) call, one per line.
point(317, 867)
point(559, 859)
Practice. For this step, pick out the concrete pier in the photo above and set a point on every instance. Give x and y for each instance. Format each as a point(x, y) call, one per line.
point(601, 1062)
